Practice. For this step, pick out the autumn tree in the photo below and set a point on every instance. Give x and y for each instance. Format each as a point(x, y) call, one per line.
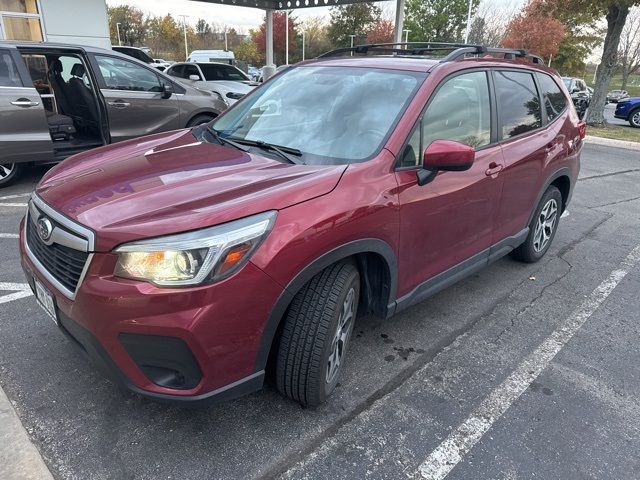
point(131, 25)
point(535, 30)
point(316, 37)
point(437, 20)
point(382, 32)
point(247, 51)
point(629, 50)
point(279, 19)
point(489, 24)
point(354, 19)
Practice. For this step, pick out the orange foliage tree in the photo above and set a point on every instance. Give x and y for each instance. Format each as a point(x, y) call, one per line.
point(382, 32)
point(536, 30)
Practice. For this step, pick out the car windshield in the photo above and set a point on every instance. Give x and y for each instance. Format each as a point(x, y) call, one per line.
point(214, 72)
point(616, 91)
point(333, 115)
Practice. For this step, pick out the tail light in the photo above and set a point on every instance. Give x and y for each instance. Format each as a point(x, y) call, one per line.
point(582, 129)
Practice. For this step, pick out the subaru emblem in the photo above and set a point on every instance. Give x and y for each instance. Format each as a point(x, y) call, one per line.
point(45, 229)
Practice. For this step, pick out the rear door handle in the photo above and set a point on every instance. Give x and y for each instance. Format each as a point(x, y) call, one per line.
point(24, 102)
point(118, 104)
point(493, 169)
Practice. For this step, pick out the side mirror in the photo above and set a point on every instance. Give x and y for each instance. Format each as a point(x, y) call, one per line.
point(445, 155)
point(167, 90)
point(195, 78)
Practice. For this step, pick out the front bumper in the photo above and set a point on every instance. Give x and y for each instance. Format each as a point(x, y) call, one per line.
point(220, 327)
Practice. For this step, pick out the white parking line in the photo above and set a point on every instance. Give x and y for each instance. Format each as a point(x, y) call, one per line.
point(9, 235)
point(15, 296)
point(13, 205)
point(451, 451)
point(14, 286)
point(17, 195)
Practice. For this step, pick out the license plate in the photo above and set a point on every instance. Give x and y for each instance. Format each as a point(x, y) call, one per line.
point(45, 300)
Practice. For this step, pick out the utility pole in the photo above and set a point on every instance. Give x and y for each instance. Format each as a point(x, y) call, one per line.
point(352, 37)
point(286, 37)
point(118, 30)
point(184, 25)
point(226, 44)
point(303, 45)
point(466, 36)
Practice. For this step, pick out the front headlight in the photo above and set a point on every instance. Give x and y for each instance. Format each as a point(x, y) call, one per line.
point(195, 257)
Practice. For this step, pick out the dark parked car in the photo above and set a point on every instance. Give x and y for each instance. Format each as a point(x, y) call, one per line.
point(629, 110)
point(182, 262)
point(615, 96)
point(58, 100)
point(580, 94)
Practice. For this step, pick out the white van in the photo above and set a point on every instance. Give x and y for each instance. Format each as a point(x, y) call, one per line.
point(218, 56)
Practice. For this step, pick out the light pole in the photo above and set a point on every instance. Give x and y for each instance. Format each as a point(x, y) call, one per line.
point(286, 37)
point(466, 35)
point(118, 30)
point(226, 44)
point(352, 37)
point(184, 26)
point(406, 36)
point(303, 45)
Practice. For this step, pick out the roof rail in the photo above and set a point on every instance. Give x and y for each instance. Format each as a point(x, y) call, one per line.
point(457, 50)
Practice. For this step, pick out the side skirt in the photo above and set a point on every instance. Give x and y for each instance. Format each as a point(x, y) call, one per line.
point(456, 273)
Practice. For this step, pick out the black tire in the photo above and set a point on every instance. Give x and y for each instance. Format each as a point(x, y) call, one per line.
point(537, 243)
point(634, 118)
point(9, 173)
point(308, 334)
point(199, 120)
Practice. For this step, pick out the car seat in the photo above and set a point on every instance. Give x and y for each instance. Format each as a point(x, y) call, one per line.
point(85, 102)
point(61, 125)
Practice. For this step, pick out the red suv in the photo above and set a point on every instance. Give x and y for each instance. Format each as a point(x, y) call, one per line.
point(182, 262)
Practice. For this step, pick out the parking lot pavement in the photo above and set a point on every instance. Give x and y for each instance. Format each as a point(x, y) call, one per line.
point(518, 371)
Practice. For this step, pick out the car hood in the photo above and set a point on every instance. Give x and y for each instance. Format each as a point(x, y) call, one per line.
point(228, 86)
point(171, 183)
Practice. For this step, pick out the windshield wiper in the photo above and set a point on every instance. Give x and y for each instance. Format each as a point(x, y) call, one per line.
point(225, 141)
point(287, 153)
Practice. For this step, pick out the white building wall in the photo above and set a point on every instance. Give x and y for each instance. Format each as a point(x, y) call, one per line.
point(81, 22)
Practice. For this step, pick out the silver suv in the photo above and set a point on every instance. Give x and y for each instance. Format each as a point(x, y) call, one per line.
point(59, 100)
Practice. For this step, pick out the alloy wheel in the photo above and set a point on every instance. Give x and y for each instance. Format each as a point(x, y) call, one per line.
point(635, 118)
point(341, 335)
point(545, 225)
point(6, 170)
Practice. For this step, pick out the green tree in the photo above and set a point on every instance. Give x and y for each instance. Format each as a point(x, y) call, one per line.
point(354, 19)
point(247, 51)
point(202, 27)
point(437, 20)
point(131, 25)
point(316, 37)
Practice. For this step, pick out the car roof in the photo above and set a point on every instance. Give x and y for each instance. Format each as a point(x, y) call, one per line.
point(51, 45)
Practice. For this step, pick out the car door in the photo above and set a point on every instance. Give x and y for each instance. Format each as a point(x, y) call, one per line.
point(136, 103)
point(24, 135)
point(526, 148)
point(450, 219)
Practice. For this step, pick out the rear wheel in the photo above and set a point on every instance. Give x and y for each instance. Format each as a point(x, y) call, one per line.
point(9, 173)
point(542, 228)
point(199, 120)
point(634, 118)
point(316, 334)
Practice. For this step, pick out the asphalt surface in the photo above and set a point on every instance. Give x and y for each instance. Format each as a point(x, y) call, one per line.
point(411, 385)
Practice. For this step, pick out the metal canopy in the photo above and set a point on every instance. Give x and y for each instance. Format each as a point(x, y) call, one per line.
point(285, 4)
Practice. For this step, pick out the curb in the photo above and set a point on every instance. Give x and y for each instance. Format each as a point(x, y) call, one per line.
point(19, 458)
point(609, 142)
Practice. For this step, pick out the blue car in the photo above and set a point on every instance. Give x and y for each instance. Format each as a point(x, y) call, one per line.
point(629, 109)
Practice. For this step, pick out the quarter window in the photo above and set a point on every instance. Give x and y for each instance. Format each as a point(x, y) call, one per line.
point(460, 111)
point(8, 73)
point(554, 100)
point(518, 103)
point(121, 74)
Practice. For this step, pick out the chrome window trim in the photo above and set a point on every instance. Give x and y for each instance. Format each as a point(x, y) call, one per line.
point(72, 226)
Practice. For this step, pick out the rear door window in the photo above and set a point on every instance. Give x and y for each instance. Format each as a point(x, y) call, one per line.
point(8, 71)
point(554, 100)
point(518, 103)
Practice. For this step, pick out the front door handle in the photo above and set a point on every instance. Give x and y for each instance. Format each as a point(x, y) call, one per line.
point(24, 102)
point(118, 104)
point(493, 169)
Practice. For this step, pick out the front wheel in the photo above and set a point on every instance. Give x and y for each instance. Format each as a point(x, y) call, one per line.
point(542, 228)
point(316, 333)
point(634, 118)
point(199, 120)
point(9, 173)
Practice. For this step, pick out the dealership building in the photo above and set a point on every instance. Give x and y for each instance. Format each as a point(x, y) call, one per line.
point(82, 22)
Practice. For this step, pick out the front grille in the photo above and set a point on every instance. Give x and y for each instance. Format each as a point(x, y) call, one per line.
point(63, 263)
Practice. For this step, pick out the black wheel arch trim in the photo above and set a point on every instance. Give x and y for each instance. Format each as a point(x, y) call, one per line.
point(363, 246)
point(562, 172)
